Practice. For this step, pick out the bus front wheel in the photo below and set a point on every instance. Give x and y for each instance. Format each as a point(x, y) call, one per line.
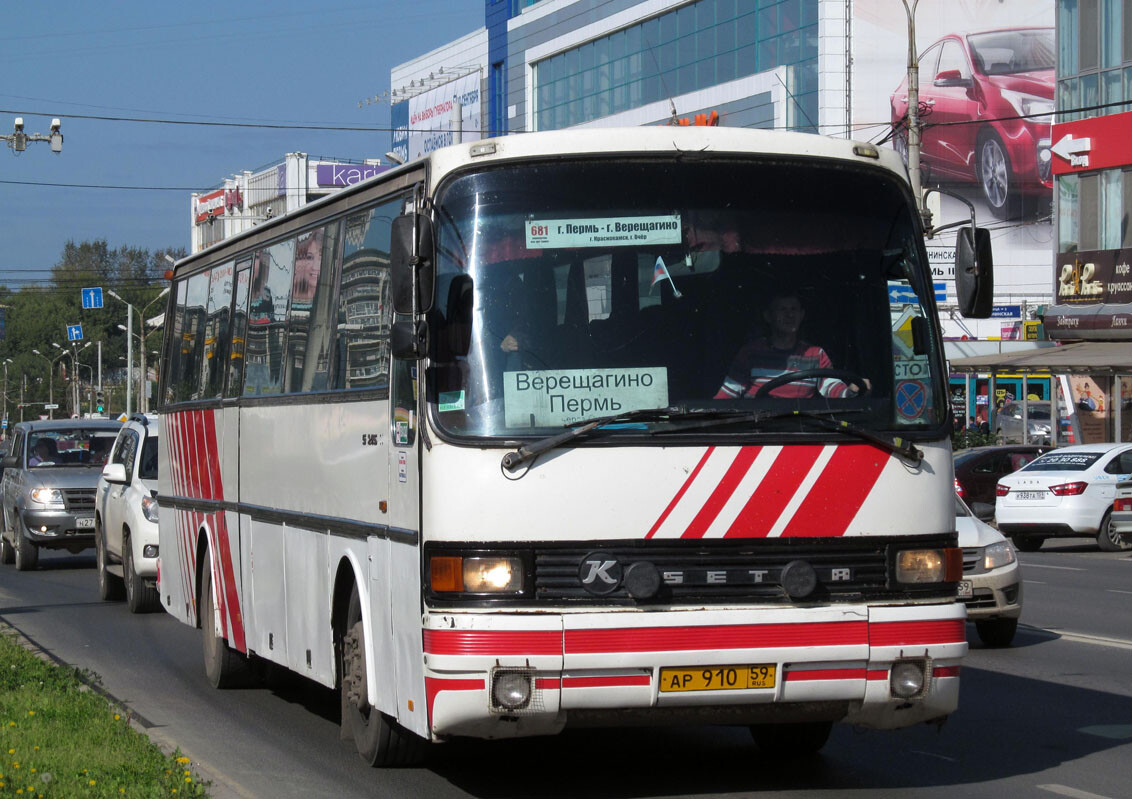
point(380, 741)
point(224, 666)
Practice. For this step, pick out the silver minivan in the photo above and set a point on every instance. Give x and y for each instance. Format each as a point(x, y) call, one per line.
point(47, 491)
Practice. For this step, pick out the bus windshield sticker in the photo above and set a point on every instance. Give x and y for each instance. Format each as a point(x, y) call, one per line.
point(451, 400)
point(613, 231)
point(560, 397)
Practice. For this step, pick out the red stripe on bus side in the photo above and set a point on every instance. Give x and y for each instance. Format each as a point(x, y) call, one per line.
point(775, 491)
point(839, 492)
point(679, 494)
point(493, 642)
point(434, 685)
point(727, 485)
point(914, 633)
point(738, 636)
point(221, 529)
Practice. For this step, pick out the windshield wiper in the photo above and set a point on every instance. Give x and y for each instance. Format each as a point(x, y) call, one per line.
point(577, 430)
point(897, 445)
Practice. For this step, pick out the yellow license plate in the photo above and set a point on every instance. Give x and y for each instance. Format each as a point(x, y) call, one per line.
point(718, 678)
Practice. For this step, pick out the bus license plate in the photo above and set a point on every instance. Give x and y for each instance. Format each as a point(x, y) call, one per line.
point(84, 523)
point(1031, 495)
point(718, 678)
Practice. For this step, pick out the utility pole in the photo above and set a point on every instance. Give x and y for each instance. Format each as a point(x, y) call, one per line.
point(914, 112)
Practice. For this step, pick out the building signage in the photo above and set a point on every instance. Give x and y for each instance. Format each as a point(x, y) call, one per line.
point(1094, 277)
point(1094, 143)
point(346, 174)
point(1006, 311)
point(210, 205)
point(432, 119)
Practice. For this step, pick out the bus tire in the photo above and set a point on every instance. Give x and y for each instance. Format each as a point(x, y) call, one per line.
point(109, 585)
point(380, 740)
point(140, 598)
point(788, 741)
point(224, 666)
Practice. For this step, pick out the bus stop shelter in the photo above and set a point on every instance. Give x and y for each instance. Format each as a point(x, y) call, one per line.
point(1108, 359)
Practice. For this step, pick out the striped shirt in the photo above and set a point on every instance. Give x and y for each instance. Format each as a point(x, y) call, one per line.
point(758, 362)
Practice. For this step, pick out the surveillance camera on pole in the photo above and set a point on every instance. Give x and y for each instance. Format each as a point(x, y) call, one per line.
point(18, 140)
point(56, 136)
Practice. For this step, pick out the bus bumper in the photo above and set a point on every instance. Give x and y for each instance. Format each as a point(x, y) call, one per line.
point(614, 668)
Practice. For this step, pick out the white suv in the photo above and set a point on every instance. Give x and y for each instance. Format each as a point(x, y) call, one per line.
point(125, 518)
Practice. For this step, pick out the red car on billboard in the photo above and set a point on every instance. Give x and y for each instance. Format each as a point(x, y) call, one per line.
point(973, 89)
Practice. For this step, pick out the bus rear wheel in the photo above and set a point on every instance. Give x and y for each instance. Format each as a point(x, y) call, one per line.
point(789, 741)
point(380, 740)
point(224, 666)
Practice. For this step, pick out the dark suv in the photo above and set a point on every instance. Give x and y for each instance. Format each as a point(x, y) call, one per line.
point(47, 492)
point(978, 469)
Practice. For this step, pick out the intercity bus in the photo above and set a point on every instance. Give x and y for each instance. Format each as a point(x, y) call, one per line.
point(456, 442)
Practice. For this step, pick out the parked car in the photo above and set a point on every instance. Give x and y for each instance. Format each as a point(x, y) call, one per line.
point(987, 80)
point(1008, 423)
point(47, 491)
point(125, 518)
point(1066, 492)
point(1121, 519)
point(978, 469)
point(991, 587)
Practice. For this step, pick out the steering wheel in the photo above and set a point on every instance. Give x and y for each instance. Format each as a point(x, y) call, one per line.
point(845, 376)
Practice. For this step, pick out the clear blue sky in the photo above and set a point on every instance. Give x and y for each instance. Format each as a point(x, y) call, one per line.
point(277, 62)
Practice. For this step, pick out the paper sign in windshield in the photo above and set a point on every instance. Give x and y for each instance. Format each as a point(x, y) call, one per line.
point(614, 231)
point(556, 398)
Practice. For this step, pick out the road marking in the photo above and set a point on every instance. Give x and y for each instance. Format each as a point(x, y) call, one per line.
point(1081, 638)
point(1029, 565)
point(1065, 790)
point(1118, 591)
point(1035, 582)
point(1118, 732)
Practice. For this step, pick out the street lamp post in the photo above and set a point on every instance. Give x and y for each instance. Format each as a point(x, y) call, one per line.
point(914, 109)
point(6, 362)
point(50, 379)
point(76, 402)
point(143, 399)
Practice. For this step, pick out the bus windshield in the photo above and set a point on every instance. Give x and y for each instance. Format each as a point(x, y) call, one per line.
point(572, 290)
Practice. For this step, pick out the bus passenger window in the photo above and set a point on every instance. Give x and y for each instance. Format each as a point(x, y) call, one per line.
point(267, 318)
point(309, 339)
point(239, 330)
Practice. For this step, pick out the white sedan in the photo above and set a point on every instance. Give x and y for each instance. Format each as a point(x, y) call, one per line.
point(1066, 492)
point(991, 587)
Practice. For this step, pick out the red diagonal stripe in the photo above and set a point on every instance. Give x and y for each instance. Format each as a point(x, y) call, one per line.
point(774, 492)
point(736, 636)
point(220, 528)
point(679, 494)
point(839, 492)
point(727, 485)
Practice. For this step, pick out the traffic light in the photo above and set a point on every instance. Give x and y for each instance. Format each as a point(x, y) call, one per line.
point(100, 401)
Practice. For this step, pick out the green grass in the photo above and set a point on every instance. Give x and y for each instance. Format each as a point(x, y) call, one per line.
point(59, 738)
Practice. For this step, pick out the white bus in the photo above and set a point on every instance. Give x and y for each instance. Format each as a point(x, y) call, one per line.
point(575, 428)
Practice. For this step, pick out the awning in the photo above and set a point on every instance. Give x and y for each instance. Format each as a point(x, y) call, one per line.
point(1090, 357)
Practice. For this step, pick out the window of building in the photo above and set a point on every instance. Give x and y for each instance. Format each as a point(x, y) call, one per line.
point(1125, 227)
point(1068, 98)
point(687, 49)
point(1088, 217)
point(1111, 209)
point(1112, 33)
point(1068, 213)
point(1088, 36)
point(1067, 37)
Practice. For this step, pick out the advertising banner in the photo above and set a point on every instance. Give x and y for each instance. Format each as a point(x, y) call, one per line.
point(432, 119)
point(982, 62)
point(1097, 276)
point(1089, 402)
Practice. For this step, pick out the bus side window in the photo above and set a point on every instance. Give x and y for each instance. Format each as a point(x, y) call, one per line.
point(192, 338)
point(173, 374)
point(404, 412)
point(312, 311)
point(216, 330)
point(267, 318)
point(239, 329)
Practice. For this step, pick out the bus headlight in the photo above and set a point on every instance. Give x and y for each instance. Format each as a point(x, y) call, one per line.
point(51, 498)
point(907, 678)
point(929, 565)
point(479, 574)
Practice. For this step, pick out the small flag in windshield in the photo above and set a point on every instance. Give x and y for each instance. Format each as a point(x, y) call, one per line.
point(659, 273)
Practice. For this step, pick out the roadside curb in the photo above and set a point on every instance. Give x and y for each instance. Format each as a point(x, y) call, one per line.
point(218, 787)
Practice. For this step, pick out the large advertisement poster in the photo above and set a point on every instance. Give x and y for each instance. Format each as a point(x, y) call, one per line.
point(433, 119)
point(986, 83)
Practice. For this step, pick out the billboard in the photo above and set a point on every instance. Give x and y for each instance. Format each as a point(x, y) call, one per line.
point(433, 119)
point(984, 64)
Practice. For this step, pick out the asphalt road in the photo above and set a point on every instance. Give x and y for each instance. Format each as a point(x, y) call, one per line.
point(1051, 716)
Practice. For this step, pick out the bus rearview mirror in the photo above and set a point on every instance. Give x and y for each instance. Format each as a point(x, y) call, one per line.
point(974, 273)
point(402, 264)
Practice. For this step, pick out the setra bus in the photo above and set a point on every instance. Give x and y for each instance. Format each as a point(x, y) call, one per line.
point(510, 439)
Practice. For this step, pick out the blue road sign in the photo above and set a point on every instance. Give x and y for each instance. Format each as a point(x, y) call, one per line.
point(898, 295)
point(92, 298)
point(911, 396)
point(74, 332)
point(940, 292)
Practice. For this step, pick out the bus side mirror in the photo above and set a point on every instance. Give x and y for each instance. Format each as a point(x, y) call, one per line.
point(408, 340)
point(974, 273)
point(404, 266)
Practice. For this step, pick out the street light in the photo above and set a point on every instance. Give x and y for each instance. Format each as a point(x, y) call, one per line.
point(143, 404)
point(76, 406)
point(50, 379)
point(6, 362)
